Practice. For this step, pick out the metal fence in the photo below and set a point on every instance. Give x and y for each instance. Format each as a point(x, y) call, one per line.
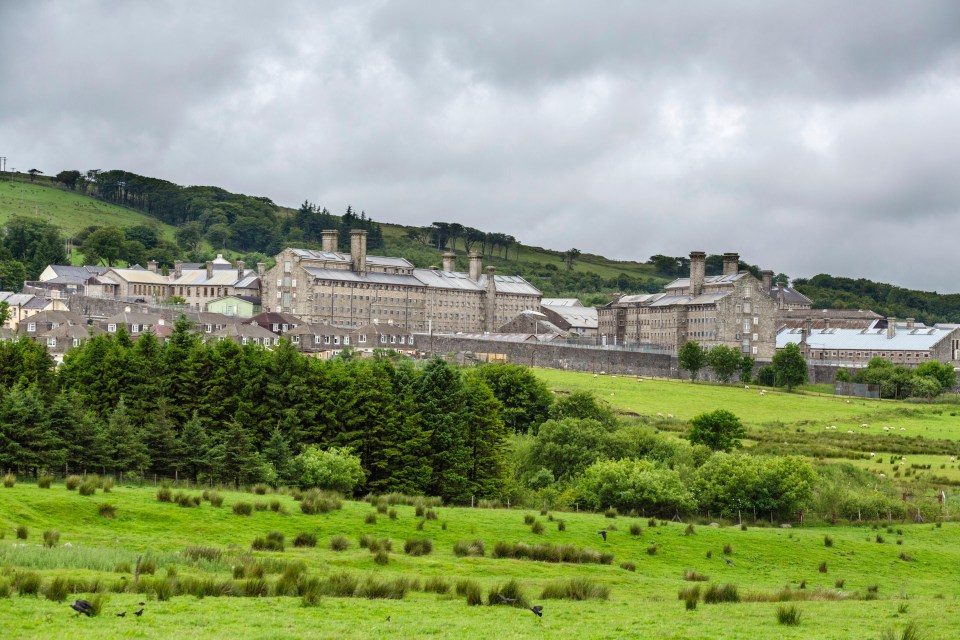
point(857, 390)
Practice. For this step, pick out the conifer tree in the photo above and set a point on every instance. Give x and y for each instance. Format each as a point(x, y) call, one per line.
point(194, 448)
point(440, 399)
point(277, 452)
point(486, 439)
point(127, 450)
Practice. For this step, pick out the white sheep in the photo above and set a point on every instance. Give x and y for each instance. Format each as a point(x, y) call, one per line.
point(659, 415)
point(872, 454)
point(670, 415)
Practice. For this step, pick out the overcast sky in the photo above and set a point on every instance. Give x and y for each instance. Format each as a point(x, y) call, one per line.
point(809, 136)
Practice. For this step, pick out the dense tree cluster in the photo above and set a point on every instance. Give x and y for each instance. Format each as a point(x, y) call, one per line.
point(27, 246)
point(231, 413)
point(927, 380)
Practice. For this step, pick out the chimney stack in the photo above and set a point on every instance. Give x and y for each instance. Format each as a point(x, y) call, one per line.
point(177, 268)
point(911, 324)
point(731, 264)
point(698, 264)
point(152, 266)
point(767, 280)
point(358, 251)
point(891, 327)
point(475, 265)
point(826, 324)
point(241, 268)
point(331, 240)
point(490, 301)
point(449, 261)
point(261, 269)
point(209, 269)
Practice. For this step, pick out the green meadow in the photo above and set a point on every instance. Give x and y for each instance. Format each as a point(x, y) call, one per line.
point(868, 580)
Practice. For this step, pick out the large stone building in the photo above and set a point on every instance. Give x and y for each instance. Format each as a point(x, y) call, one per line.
point(733, 309)
point(355, 289)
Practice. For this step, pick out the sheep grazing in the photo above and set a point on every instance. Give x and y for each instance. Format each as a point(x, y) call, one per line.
point(670, 415)
point(864, 425)
point(659, 415)
point(849, 430)
point(872, 454)
point(903, 428)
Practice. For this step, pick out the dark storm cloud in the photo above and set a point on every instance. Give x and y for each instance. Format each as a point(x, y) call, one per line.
point(809, 136)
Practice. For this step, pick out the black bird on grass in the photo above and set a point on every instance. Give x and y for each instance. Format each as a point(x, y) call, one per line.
point(537, 609)
point(729, 562)
point(505, 600)
point(82, 606)
point(141, 603)
point(121, 614)
point(603, 532)
point(138, 613)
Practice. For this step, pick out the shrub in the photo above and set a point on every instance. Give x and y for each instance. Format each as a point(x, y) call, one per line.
point(690, 575)
point(44, 482)
point(27, 583)
point(610, 513)
point(216, 500)
point(87, 488)
point(9, 480)
point(418, 546)
point(469, 548)
point(305, 539)
point(107, 510)
point(51, 537)
point(822, 568)
point(334, 469)
point(72, 482)
point(57, 589)
point(827, 541)
point(537, 527)
point(371, 518)
point(22, 532)
point(382, 557)
point(510, 590)
point(339, 543)
point(788, 614)
point(629, 566)
point(716, 594)
point(242, 509)
point(436, 585)
point(575, 589)
point(164, 494)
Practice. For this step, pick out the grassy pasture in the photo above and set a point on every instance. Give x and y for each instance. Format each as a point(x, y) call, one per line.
point(641, 604)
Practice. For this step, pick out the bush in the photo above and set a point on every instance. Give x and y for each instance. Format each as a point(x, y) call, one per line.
point(305, 539)
point(716, 594)
point(690, 575)
point(339, 543)
point(9, 480)
point(789, 615)
point(418, 546)
point(72, 482)
point(511, 591)
point(469, 548)
point(335, 469)
point(44, 482)
point(629, 566)
point(51, 537)
point(242, 508)
point(720, 430)
point(22, 532)
point(575, 589)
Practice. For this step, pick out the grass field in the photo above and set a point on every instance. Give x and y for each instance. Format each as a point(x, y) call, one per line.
point(644, 603)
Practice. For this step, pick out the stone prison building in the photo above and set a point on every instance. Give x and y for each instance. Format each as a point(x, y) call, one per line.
point(357, 289)
point(734, 309)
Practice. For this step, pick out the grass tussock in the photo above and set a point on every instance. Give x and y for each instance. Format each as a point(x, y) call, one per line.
point(788, 615)
point(508, 593)
point(51, 538)
point(107, 510)
point(909, 632)
point(436, 584)
point(636, 529)
point(274, 541)
point(716, 594)
point(305, 539)
point(196, 552)
point(339, 543)
point(474, 548)
point(27, 583)
point(827, 541)
point(537, 527)
point(23, 532)
point(371, 518)
point(575, 589)
point(164, 494)
point(242, 509)
point(73, 482)
point(44, 482)
point(550, 553)
point(215, 499)
point(316, 501)
point(418, 546)
point(691, 575)
point(628, 566)
point(9, 480)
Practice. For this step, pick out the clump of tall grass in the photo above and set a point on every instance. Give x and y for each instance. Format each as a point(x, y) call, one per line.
point(873, 592)
point(635, 529)
point(629, 566)
point(311, 590)
point(690, 596)
point(23, 532)
point(260, 489)
point(164, 494)
point(716, 594)
point(827, 541)
point(256, 588)
point(339, 543)
point(528, 519)
point(107, 510)
point(260, 505)
point(689, 531)
point(305, 539)
point(727, 549)
point(242, 508)
point(44, 482)
point(9, 480)
point(537, 527)
point(341, 585)
point(435, 584)
point(215, 499)
point(88, 487)
point(276, 506)
point(822, 567)
point(909, 632)
point(575, 589)
point(51, 537)
point(374, 587)
point(57, 589)
point(27, 583)
point(611, 513)
point(691, 575)
point(430, 514)
point(5, 588)
point(470, 589)
point(652, 549)
point(381, 557)
point(274, 541)
point(550, 553)
point(561, 525)
point(392, 514)
point(195, 552)
point(371, 518)
point(788, 615)
point(72, 482)
point(107, 485)
point(469, 548)
point(186, 500)
point(316, 501)
point(418, 546)
point(512, 595)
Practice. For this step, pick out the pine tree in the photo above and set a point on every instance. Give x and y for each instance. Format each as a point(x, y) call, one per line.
point(277, 452)
point(486, 439)
point(160, 436)
point(126, 447)
point(441, 402)
point(26, 442)
point(240, 461)
point(193, 447)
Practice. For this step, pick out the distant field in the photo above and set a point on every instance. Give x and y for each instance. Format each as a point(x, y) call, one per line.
point(69, 211)
point(643, 604)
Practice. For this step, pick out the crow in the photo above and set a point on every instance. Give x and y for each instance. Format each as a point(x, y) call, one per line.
point(121, 614)
point(141, 603)
point(138, 613)
point(729, 562)
point(505, 600)
point(537, 609)
point(603, 532)
point(82, 606)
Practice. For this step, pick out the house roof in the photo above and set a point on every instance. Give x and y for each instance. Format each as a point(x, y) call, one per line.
point(921, 338)
point(135, 317)
point(274, 317)
point(137, 275)
point(254, 300)
point(344, 275)
point(335, 256)
point(790, 295)
point(585, 317)
point(561, 302)
point(684, 283)
point(58, 317)
point(244, 331)
point(217, 278)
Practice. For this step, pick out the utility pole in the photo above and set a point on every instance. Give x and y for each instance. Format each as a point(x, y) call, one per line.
point(3, 163)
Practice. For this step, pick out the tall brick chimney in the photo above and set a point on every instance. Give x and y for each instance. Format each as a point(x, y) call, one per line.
point(209, 269)
point(241, 267)
point(476, 265)
point(331, 239)
point(891, 327)
point(152, 266)
point(449, 261)
point(767, 280)
point(358, 250)
point(731, 264)
point(177, 268)
point(698, 265)
point(490, 301)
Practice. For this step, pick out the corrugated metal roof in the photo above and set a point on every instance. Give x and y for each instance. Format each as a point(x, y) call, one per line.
point(790, 295)
point(370, 276)
point(708, 298)
point(446, 279)
point(639, 298)
point(682, 283)
point(330, 256)
point(511, 284)
point(871, 340)
point(68, 274)
point(560, 302)
point(670, 300)
point(585, 317)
